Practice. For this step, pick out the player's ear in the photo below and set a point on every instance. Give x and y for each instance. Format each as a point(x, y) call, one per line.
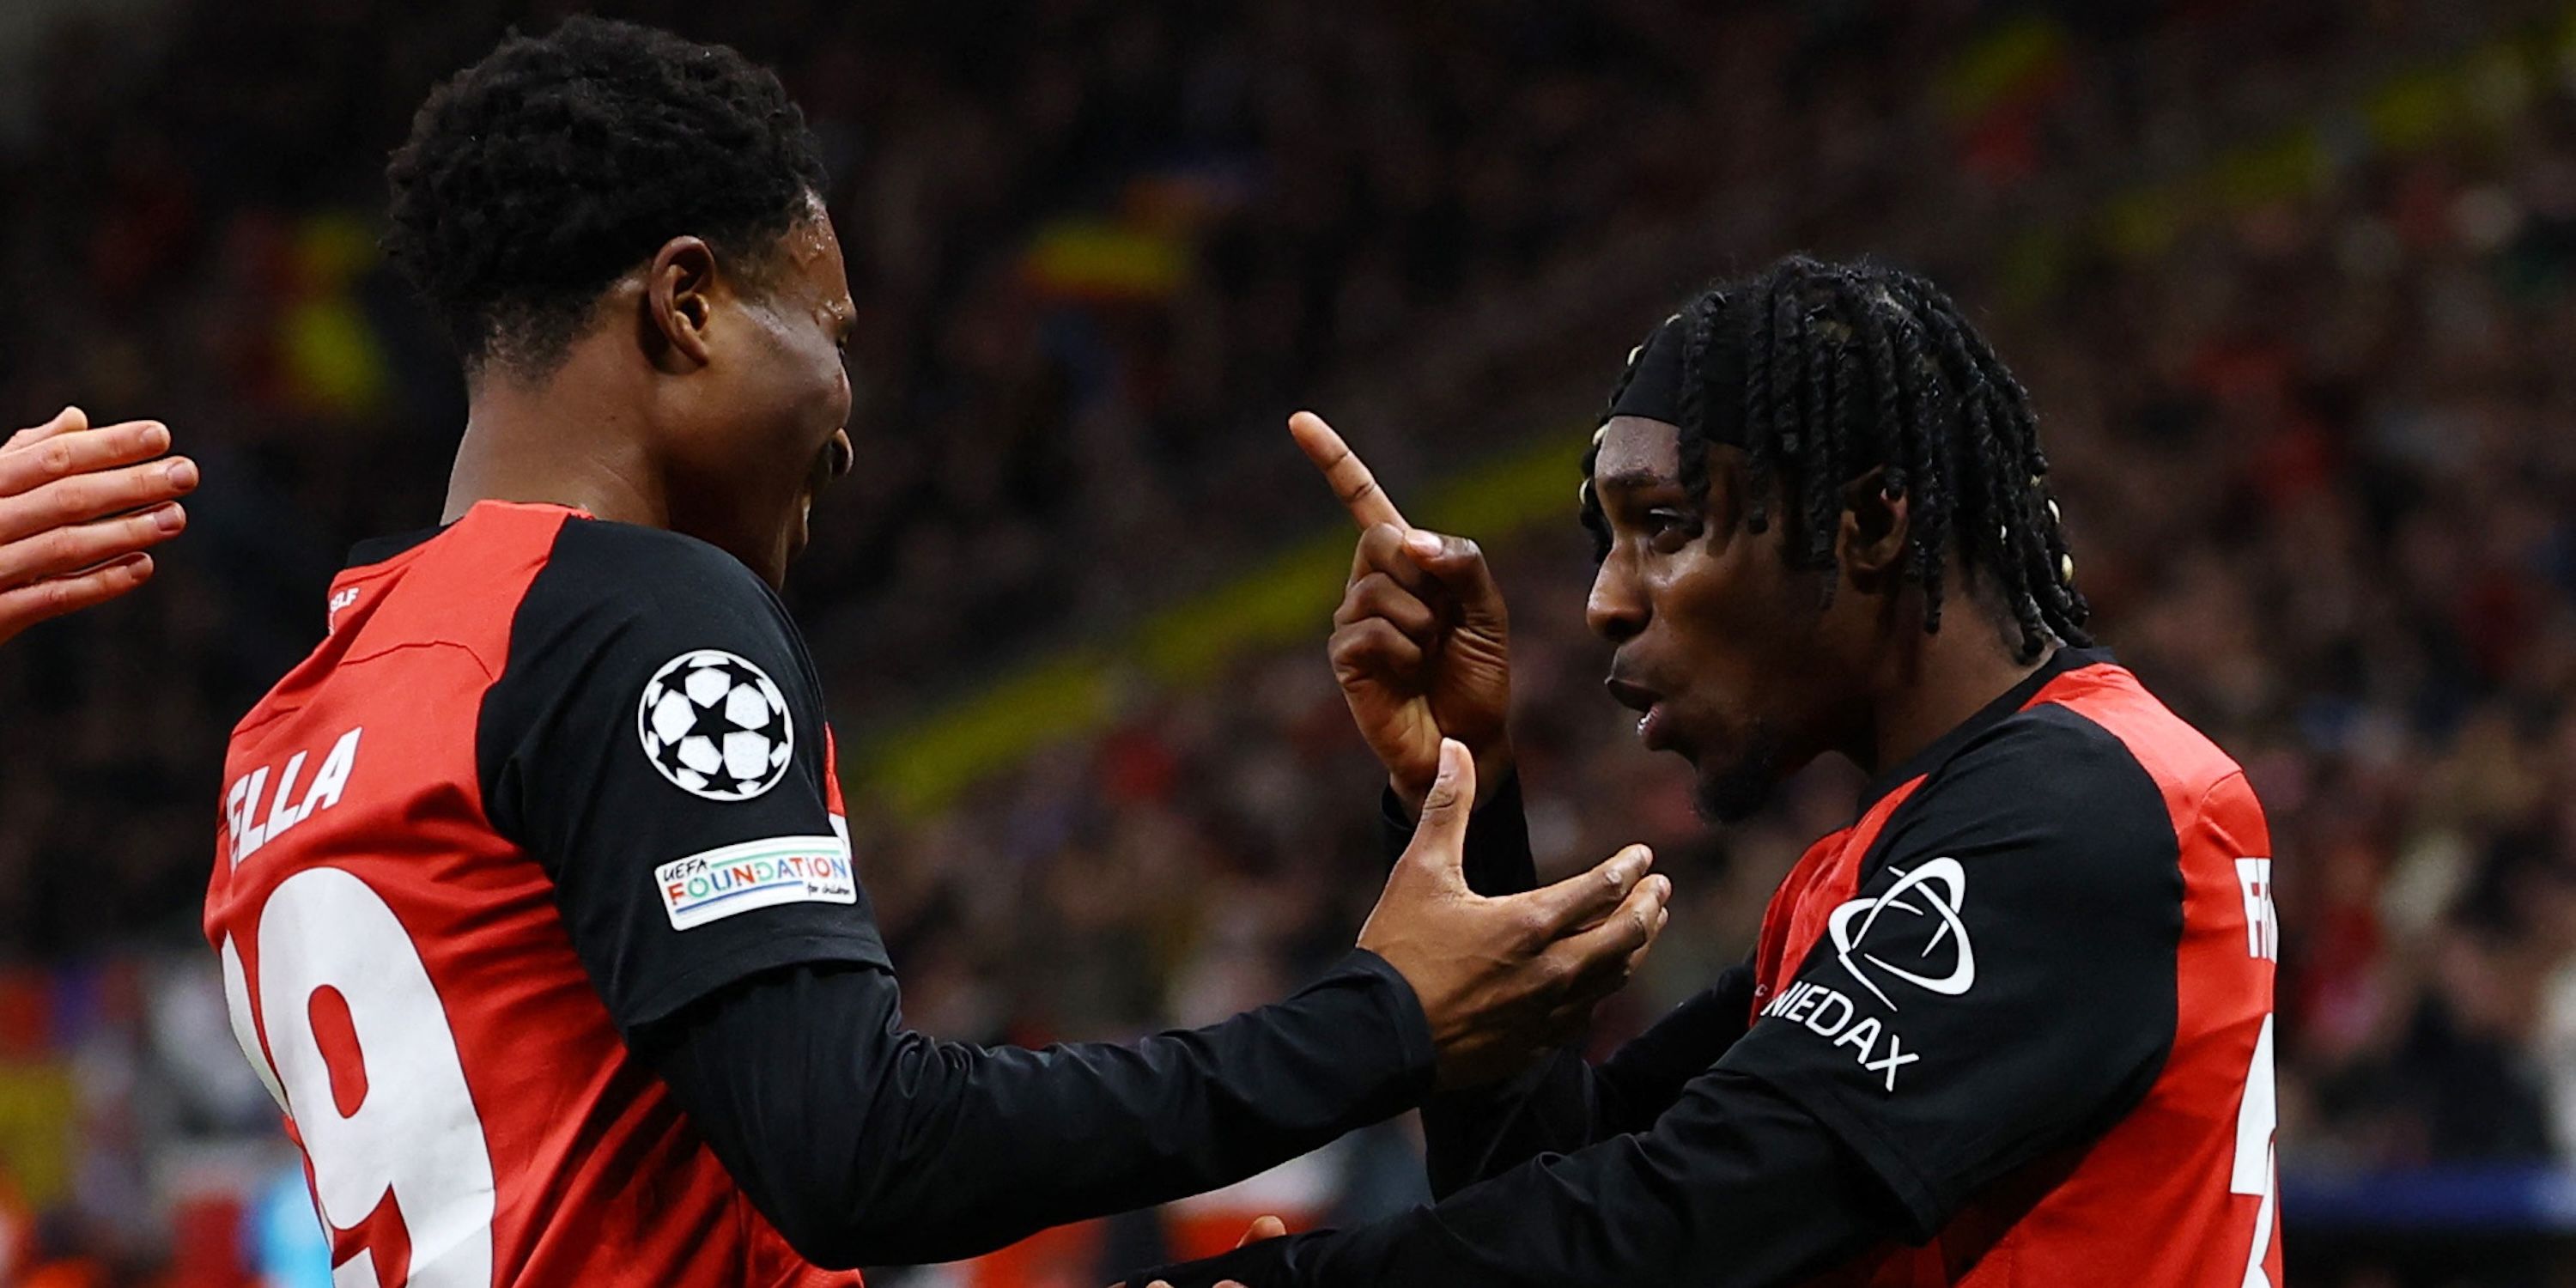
point(1871, 545)
point(679, 303)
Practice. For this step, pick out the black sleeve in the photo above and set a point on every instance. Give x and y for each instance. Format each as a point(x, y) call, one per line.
point(656, 742)
point(2002, 986)
point(1736, 1187)
point(1566, 1103)
point(867, 1144)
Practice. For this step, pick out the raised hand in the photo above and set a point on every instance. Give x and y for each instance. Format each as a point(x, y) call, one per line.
point(1421, 642)
point(78, 509)
point(1501, 980)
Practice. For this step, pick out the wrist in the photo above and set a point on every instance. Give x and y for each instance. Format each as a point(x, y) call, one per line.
point(1494, 769)
point(1408, 1020)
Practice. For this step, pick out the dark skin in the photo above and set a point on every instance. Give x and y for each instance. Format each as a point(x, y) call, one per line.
point(707, 396)
point(1723, 651)
point(1722, 647)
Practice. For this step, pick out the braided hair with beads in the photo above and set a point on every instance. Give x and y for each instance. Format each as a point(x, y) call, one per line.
point(1823, 372)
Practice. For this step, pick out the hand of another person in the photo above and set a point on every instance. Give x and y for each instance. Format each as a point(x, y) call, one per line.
point(1421, 643)
point(1504, 979)
point(78, 509)
point(1265, 1227)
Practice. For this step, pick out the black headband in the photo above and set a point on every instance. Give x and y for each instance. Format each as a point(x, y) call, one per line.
point(1654, 388)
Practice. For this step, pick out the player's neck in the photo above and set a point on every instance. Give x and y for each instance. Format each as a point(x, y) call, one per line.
point(557, 443)
point(1937, 684)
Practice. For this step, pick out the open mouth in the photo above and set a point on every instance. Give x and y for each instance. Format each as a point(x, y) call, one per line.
point(1653, 723)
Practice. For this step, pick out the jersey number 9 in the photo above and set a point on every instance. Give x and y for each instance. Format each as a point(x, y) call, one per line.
point(413, 1136)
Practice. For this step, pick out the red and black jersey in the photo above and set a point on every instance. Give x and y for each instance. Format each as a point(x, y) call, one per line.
point(434, 912)
point(2010, 1029)
point(2031, 988)
point(537, 912)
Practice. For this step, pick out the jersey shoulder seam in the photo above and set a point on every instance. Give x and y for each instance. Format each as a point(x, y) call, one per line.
point(2042, 729)
point(2200, 810)
point(387, 650)
point(269, 712)
point(2069, 741)
point(647, 578)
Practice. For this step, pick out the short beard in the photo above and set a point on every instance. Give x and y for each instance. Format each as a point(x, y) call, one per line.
point(1740, 790)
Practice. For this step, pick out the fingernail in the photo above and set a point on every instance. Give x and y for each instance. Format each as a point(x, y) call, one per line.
point(170, 518)
point(1422, 543)
point(183, 473)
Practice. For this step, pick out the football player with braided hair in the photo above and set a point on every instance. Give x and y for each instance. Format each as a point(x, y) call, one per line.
point(2011, 1024)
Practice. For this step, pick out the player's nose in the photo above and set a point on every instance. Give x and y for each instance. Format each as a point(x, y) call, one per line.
point(1615, 611)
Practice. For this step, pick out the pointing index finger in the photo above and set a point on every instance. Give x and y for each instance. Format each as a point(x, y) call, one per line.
point(1344, 472)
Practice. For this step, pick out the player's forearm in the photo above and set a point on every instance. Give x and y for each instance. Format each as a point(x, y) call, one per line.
point(897, 1149)
point(1744, 1191)
point(1644, 1077)
point(1565, 1104)
point(1480, 1132)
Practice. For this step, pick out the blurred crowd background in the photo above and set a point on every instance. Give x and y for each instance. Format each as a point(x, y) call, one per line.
point(2294, 283)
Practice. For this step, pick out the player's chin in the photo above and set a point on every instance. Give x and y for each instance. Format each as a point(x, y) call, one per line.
point(1734, 795)
point(1733, 788)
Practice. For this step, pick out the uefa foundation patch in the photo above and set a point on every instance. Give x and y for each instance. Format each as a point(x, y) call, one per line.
point(718, 883)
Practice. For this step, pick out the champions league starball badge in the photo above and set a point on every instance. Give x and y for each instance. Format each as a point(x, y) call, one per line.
point(716, 726)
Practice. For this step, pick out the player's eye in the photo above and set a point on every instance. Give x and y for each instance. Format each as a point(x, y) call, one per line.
point(1669, 528)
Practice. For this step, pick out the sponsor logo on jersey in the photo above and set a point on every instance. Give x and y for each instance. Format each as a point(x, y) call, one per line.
point(718, 883)
point(1830, 1013)
point(716, 726)
point(1936, 889)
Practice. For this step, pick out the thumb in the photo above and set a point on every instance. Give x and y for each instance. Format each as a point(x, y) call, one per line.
point(1266, 1227)
point(1458, 564)
point(1440, 839)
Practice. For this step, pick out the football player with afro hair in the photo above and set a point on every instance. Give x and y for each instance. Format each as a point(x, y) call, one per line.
point(537, 906)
